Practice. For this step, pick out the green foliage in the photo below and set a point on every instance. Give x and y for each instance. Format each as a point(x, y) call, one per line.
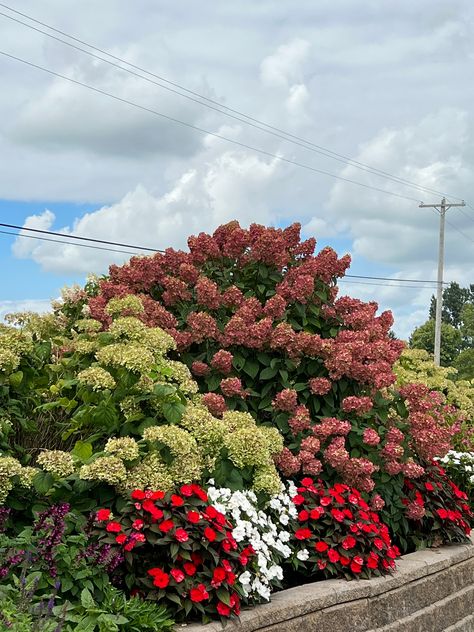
point(464, 364)
point(455, 298)
point(114, 613)
point(451, 340)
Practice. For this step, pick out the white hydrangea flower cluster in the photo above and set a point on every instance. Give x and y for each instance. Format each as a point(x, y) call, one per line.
point(264, 532)
point(463, 460)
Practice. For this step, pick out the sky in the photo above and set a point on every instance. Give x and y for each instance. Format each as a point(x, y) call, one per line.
point(388, 84)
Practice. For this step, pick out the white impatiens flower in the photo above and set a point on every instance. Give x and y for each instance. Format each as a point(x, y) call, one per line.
point(262, 529)
point(303, 555)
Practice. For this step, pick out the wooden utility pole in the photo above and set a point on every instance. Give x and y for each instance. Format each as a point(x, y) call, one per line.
point(441, 208)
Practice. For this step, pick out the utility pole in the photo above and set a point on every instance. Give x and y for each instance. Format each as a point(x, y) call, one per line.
point(441, 208)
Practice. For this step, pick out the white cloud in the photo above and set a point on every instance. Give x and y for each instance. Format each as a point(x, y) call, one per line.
point(27, 305)
point(229, 185)
point(283, 68)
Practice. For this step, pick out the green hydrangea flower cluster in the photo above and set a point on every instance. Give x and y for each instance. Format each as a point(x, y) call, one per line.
point(56, 462)
point(97, 378)
point(9, 469)
point(13, 344)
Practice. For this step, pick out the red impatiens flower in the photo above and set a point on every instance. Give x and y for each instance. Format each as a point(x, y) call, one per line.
point(199, 492)
point(189, 568)
point(303, 534)
point(103, 514)
point(321, 547)
point(298, 499)
point(137, 524)
point(218, 576)
point(114, 527)
point(223, 609)
point(186, 490)
point(316, 513)
point(177, 575)
point(349, 543)
point(303, 515)
point(333, 556)
point(181, 535)
point(442, 513)
point(193, 516)
point(177, 501)
point(160, 578)
point(429, 487)
point(166, 525)
point(210, 534)
point(198, 594)
point(356, 568)
point(138, 494)
point(121, 538)
point(337, 515)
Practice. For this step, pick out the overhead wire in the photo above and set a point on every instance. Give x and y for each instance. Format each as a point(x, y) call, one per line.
point(205, 131)
point(156, 250)
point(206, 102)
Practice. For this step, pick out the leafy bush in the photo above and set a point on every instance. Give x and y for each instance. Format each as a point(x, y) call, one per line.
point(438, 511)
point(338, 534)
point(114, 613)
point(180, 549)
point(417, 365)
point(255, 316)
point(459, 467)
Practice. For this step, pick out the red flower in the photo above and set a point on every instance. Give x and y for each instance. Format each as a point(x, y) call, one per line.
point(103, 514)
point(345, 561)
point(316, 513)
point(166, 525)
point(209, 534)
point(333, 556)
point(372, 562)
point(379, 543)
point(442, 513)
point(231, 578)
point(349, 543)
point(303, 515)
point(222, 609)
point(177, 501)
point(121, 538)
point(321, 547)
point(177, 575)
point(186, 490)
point(356, 568)
point(130, 545)
point(189, 568)
point(325, 501)
point(218, 576)
point(303, 534)
point(307, 481)
point(199, 593)
point(137, 524)
point(337, 515)
point(193, 517)
point(160, 578)
point(114, 527)
point(138, 494)
point(298, 499)
point(429, 487)
point(199, 492)
point(181, 535)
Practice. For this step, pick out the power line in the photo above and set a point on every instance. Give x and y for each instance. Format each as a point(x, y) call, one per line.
point(68, 243)
point(98, 241)
point(411, 287)
point(115, 243)
point(205, 131)
point(206, 102)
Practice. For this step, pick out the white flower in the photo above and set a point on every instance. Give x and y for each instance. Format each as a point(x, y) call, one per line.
point(303, 555)
point(284, 519)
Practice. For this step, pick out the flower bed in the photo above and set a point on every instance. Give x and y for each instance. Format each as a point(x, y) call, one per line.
point(198, 431)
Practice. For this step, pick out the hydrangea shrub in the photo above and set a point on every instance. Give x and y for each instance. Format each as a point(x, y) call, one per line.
point(256, 316)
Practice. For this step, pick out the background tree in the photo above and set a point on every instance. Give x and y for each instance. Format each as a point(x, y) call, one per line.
point(454, 299)
point(451, 340)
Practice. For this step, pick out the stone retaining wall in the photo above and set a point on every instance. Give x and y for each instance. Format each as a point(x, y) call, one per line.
point(432, 591)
